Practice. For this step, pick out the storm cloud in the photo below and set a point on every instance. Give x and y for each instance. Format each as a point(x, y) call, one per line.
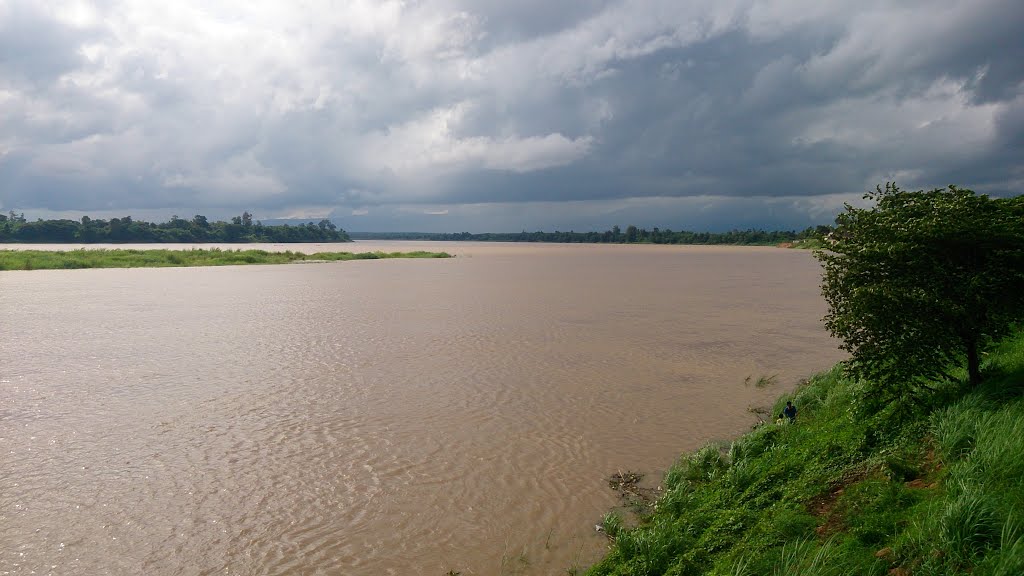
point(489, 115)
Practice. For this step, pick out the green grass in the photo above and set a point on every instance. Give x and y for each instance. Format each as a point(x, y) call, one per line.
point(48, 260)
point(932, 488)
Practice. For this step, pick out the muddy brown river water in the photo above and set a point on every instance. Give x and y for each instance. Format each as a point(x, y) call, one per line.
point(403, 417)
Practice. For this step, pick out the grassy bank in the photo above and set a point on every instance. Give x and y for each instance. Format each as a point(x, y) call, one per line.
point(804, 244)
point(47, 260)
point(933, 488)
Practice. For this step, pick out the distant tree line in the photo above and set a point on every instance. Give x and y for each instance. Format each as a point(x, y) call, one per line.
point(15, 228)
point(632, 235)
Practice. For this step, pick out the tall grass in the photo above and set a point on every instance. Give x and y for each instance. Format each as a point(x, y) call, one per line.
point(808, 558)
point(932, 488)
point(130, 258)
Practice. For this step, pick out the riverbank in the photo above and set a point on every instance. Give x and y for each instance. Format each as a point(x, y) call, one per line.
point(804, 244)
point(132, 258)
point(927, 488)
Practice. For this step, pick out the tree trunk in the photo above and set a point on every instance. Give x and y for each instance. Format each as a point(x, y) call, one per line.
point(973, 363)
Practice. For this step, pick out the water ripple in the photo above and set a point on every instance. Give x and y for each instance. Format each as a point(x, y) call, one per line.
point(387, 417)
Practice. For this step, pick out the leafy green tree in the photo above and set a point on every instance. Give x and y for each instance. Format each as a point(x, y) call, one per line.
point(922, 281)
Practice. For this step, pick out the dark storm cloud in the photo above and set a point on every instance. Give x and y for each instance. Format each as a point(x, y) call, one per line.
point(35, 49)
point(559, 115)
point(514, 22)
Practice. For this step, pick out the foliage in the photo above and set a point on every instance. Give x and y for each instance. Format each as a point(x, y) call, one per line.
point(921, 281)
point(15, 228)
point(935, 492)
point(43, 259)
point(632, 235)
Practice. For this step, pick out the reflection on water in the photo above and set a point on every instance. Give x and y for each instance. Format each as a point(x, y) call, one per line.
point(375, 417)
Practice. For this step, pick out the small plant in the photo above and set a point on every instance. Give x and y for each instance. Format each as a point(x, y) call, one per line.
point(513, 565)
point(612, 525)
point(705, 465)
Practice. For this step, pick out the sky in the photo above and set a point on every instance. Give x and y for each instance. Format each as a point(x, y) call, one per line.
point(494, 115)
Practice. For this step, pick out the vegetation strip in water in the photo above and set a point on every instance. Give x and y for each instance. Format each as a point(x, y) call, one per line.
point(83, 258)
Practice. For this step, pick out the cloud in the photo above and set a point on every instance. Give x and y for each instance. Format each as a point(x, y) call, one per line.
point(567, 108)
point(427, 145)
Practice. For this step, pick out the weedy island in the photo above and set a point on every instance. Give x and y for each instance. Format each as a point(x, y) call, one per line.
point(131, 258)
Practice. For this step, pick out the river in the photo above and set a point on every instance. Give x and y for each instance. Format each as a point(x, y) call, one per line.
point(376, 417)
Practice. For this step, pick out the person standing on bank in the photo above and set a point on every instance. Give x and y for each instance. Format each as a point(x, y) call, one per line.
point(789, 412)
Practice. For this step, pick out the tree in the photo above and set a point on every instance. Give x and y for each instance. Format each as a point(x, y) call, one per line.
point(923, 281)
